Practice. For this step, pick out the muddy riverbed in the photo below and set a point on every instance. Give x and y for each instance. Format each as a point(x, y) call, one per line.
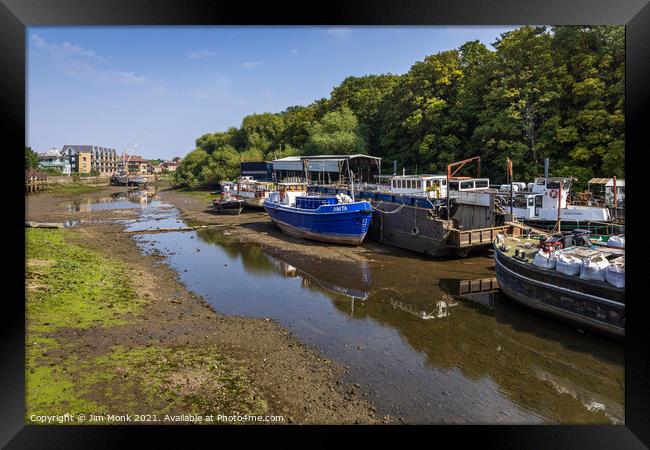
point(409, 340)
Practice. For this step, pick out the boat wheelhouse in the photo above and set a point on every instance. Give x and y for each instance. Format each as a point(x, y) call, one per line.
point(432, 186)
point(540, 204)
point(227, 186)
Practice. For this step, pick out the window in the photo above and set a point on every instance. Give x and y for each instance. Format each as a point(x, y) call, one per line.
point(444, 182)
point(453, 185)
point(466, 184)
point(531, 201)
point(481, 183)
point(520, 201)
point(419, 185)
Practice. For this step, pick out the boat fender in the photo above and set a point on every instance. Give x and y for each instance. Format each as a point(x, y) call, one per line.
point(415, 231)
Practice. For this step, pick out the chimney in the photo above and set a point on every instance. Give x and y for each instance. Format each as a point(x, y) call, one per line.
point(545, 167)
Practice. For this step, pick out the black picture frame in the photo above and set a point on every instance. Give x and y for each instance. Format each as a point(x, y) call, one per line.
point(16, 15)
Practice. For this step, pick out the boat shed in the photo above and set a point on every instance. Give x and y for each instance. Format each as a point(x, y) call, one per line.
point(258, 170)
point(605, 188)
point(327, 169)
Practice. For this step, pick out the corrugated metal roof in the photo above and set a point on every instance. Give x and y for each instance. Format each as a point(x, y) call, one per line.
point(599, 180)
point(607, 181)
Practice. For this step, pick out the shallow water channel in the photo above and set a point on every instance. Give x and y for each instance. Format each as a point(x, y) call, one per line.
point(417, 347)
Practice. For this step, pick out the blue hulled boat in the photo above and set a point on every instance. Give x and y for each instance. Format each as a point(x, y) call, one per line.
point(321, 218)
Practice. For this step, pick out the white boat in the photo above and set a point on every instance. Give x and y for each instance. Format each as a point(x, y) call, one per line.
point(539, 204)
point(253, 192)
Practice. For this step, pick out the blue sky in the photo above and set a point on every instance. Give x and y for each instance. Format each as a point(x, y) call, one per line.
point(104, 85)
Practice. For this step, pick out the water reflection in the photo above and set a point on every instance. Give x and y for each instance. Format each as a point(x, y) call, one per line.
point(431, 341)
point(131, 198)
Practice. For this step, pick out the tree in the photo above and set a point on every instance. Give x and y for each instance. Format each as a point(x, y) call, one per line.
point(337, 133)
point(418, 128)
point(31, 158)
point(553, 93)
point(261, 132)
point(188, 172)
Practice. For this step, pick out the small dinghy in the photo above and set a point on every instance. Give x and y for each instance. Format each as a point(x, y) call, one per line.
point(228, 205)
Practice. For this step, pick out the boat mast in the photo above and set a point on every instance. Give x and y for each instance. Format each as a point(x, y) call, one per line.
point(559, 204)
point(510, 178)
point(351, 175)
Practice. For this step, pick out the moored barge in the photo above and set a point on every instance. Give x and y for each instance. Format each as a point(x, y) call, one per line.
point(591, 303)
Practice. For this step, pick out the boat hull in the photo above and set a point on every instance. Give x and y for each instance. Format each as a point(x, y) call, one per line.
point(411, 229)
point(232, 208)
point(337, 224)
point(591, 304)
point(254, 202)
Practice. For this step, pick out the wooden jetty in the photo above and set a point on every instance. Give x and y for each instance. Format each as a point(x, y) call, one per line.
point(35, 181)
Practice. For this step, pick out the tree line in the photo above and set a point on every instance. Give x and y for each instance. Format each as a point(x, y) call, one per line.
point(543, 92)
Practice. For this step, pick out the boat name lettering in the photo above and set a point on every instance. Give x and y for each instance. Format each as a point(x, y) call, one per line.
point(340, 208)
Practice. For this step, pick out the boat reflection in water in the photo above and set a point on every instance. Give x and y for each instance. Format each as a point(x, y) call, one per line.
point(351, 280)
point(131, 198)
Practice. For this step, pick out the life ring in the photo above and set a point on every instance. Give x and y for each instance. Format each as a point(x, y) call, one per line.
point(553, 194)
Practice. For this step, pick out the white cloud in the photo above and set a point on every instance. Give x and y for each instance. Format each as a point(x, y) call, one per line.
point(294, 51)
point(339, 32)
point(220, 92)
point(251, 65)
point(201, 54)
point(78, 62)
point(65, 49)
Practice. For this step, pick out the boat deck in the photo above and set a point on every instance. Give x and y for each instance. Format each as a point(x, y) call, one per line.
point(522, 251)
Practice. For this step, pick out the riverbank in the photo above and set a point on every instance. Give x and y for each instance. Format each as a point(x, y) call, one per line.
point(113, 331)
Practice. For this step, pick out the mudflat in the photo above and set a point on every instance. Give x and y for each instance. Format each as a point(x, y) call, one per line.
point(113, 331)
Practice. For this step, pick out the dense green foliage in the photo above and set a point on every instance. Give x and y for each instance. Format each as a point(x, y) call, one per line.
point(553, 93)
point(31, 158)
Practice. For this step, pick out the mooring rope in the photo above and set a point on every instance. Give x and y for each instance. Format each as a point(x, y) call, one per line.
point(398, 209)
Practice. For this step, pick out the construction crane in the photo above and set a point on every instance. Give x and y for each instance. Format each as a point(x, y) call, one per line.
point(132, 149)
point(460, 165)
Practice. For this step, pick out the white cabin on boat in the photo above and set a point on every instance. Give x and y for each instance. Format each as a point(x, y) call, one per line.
point(542, 201)
point(471, 191)
point(287, 193)
point(432, 186)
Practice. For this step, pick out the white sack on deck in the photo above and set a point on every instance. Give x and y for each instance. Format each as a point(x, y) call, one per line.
point(568, 265)
point(594, 268)
point(545, 260)
point(616, 241)
point(615, 275)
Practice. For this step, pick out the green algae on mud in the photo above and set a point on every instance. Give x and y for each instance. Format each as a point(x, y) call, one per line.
point(146, 381)
point(75, 188)
point(69, 287)
point(202, 194)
